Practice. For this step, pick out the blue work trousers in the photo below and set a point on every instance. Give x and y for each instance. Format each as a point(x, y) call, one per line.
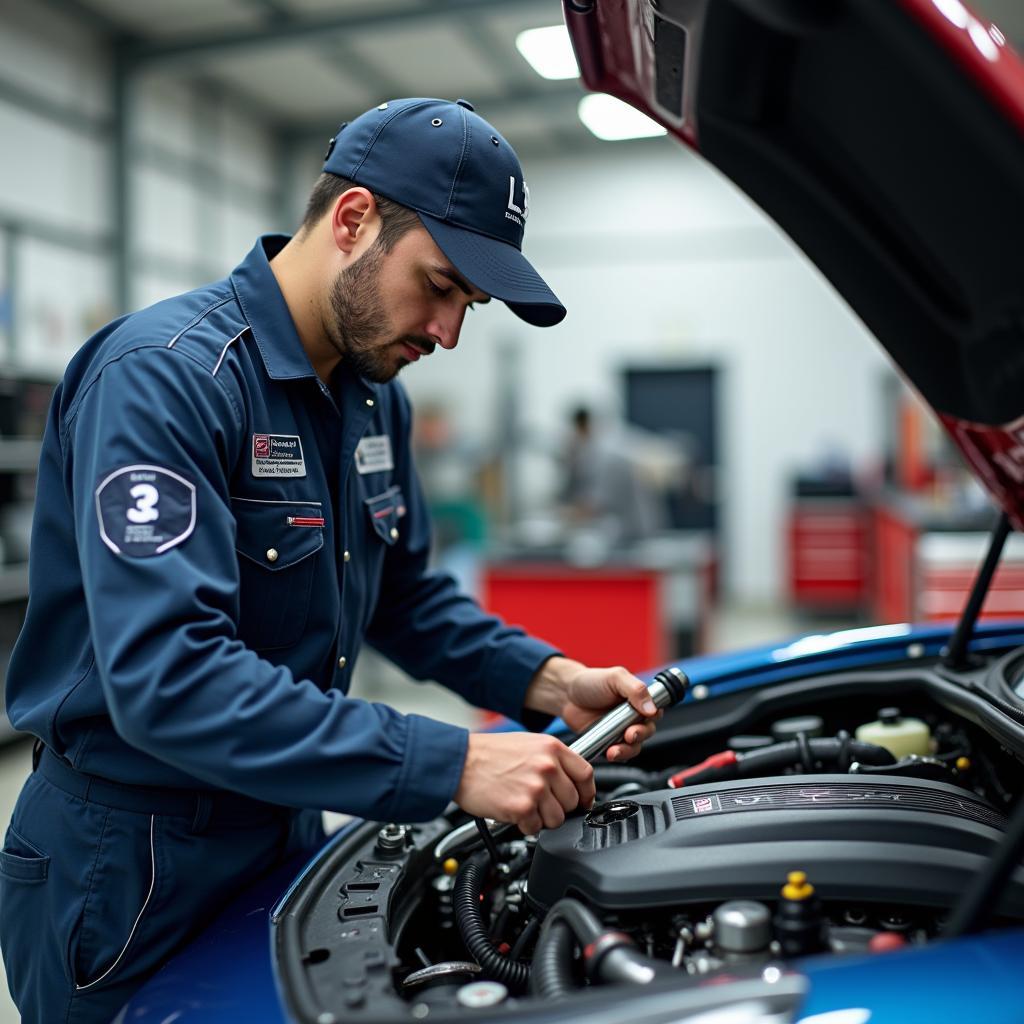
point(100, 884)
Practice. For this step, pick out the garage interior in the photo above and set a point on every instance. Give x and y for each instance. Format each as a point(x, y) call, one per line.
point(785, 479)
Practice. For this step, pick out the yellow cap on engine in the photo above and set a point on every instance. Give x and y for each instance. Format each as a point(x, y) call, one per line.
point(963, 764)
point(797, 887)
point(450, 866)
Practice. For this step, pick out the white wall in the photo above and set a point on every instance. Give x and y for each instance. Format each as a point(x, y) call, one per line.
point(188, 230)
point(188, 224)
point(51, 175)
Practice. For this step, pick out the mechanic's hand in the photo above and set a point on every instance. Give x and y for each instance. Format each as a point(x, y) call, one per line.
point(531, 779)
point(582, 695)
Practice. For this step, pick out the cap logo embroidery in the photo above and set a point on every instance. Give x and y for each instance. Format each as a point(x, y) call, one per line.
point(514, 211)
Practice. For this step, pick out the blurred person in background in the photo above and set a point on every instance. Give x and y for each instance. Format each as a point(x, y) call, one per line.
point(606, 486)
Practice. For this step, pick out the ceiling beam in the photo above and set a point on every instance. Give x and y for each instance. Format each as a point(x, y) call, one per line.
point(274, 9)
point(344, 59)
point(86, 16)
point(516, 74)
point(337, 54)
point(291, 28)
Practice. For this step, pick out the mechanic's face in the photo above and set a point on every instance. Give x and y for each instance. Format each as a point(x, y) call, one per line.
point(391, 308)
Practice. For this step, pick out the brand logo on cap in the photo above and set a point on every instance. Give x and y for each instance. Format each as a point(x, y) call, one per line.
point(514, 211)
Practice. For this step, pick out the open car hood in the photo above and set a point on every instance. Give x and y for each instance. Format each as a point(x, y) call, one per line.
point(886, 137)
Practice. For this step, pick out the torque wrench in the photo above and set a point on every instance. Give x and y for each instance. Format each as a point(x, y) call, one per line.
point(667, 688)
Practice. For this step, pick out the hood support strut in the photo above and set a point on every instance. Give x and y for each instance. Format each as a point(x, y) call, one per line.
point(956, 657)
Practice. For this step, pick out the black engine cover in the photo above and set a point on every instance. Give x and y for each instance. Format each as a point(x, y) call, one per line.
point(885, 839)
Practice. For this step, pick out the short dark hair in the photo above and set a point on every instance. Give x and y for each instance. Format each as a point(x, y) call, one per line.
point(396, 220)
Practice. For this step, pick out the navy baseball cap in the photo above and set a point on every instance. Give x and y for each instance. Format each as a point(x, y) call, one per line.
point(464, 180)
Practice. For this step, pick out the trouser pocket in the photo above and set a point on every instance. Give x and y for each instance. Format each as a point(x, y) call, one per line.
point(23, 873)
point(121, 892)
point(21, 861)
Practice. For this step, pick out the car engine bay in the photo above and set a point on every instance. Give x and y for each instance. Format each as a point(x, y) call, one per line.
point(758, 827)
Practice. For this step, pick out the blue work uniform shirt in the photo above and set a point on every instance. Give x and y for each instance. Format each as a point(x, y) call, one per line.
point(216, 531)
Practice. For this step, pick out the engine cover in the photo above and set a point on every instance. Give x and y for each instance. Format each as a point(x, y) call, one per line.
point(896, 840)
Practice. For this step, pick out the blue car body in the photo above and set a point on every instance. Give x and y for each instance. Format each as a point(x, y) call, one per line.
point(229, 972)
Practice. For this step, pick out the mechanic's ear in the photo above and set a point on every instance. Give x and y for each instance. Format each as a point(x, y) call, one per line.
point(354, 221)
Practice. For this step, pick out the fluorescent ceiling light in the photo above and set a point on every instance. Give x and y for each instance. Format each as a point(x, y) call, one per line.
point(548, 51)
point(612, 120)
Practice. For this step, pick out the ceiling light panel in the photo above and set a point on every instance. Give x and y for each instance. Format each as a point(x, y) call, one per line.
point(548, 51)
point(611, 120)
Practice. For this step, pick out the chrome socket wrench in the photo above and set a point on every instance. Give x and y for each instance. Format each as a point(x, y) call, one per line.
point(667, 688)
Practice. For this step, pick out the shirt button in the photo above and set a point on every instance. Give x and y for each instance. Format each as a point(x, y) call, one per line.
point(347, 556)
point(271, 554)
point(342, 661)
point(394, 533)
point(369, 402)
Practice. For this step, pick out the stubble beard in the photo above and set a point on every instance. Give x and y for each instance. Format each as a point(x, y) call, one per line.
point(359, 328)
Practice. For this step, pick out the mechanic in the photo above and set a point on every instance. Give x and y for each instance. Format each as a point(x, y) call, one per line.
point(225, 509)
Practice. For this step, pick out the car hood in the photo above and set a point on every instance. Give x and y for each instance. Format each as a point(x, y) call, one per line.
point(886, 137)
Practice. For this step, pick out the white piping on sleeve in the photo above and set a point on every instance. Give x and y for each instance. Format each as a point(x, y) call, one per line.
point(224, 351)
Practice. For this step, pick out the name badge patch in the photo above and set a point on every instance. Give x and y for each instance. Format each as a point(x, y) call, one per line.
point(373, 454)
point(145, 510)
point(277, 455)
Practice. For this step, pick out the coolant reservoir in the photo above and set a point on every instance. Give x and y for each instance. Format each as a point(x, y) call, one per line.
point(900, 736)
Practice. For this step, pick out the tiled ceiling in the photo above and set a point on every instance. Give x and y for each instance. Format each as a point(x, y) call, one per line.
point(296, 77)
point(437, 52)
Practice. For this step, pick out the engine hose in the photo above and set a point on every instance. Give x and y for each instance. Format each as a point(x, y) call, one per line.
point(568, 923)
point(823, 749)
point(525, 936)
point(803, 751)
point(551, 977)
point(466, 901)
point(609, 956)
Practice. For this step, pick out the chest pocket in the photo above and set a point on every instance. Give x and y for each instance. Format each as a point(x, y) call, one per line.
point(385, 510)
point(277, 544)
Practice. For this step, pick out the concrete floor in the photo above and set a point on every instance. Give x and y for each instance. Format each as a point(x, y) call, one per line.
point(377, 680)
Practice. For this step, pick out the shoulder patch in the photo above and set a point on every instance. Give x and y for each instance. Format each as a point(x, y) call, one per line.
point(145, 510)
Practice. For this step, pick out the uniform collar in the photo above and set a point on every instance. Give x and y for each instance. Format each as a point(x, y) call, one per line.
point(267, 313)
point(269, 319)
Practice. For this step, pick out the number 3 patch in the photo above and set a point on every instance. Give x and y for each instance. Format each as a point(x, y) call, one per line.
point(145, 510)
